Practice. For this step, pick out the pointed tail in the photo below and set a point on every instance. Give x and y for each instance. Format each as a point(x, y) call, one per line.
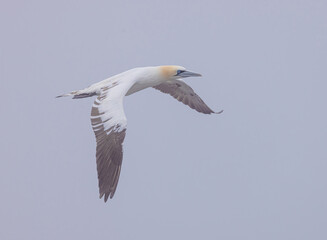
point(68, 94)
point(78, 94)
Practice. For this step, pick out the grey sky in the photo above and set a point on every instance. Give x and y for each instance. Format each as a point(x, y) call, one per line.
point(258, 171)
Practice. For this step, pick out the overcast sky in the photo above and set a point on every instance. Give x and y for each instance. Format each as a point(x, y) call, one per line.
point(257, 171)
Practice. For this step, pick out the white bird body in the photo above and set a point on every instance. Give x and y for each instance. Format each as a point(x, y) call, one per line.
point(108, 119)
point(142, 78)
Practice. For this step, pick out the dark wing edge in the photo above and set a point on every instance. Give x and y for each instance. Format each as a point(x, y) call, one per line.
point(109, 152)
point(185, 94)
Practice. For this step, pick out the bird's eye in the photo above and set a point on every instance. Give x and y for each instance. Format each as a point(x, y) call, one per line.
point(179, 72)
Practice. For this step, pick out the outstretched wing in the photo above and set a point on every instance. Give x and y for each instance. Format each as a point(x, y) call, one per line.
point(109, 125)
point(185, 94)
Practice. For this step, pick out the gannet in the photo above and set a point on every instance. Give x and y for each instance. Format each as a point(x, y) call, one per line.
point(108, 119)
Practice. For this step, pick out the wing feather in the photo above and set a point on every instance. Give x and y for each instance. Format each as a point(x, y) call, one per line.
point(109, 125)
point(185, 94)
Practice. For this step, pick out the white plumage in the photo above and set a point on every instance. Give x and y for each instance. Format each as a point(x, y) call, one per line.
point(108, 118)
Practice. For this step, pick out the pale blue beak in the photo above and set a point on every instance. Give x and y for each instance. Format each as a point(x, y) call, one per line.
point(186, 74)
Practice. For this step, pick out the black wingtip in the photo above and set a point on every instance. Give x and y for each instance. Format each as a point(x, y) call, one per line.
point(106, 197)
point(218, 112)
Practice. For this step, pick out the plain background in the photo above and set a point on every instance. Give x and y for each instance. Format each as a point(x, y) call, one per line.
point(257, 171)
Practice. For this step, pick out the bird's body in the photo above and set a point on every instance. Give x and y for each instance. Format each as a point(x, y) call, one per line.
point(108, 118)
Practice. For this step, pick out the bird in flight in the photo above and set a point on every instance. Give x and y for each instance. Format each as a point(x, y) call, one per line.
point(108, 118)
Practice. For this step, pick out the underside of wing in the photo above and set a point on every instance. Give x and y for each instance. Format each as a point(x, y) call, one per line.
point(109, 125)
point(185, 94)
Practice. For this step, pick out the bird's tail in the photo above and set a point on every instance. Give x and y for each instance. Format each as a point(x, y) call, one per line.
point(78, 94)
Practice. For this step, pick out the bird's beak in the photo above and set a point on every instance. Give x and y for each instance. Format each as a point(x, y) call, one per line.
point(186, 74)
